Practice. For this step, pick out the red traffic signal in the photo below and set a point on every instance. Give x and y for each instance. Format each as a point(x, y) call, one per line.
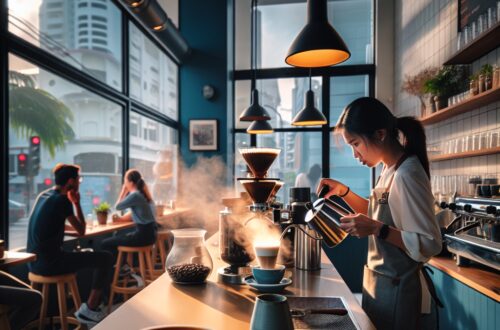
point(47, 181)
point(22, 164)
point(35, 140)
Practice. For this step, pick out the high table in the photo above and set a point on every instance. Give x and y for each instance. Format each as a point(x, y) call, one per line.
point(101, 229)
point(219, 306)
point(13, 258)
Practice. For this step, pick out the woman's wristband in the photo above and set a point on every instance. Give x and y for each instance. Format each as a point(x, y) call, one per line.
point(345, 194)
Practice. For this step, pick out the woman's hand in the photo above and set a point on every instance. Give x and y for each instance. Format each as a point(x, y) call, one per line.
point(335, 187)
point(360, 225)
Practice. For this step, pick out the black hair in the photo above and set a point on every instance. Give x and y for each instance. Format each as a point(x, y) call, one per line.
point(64, 172)
point(366, 115)
point(135, 176)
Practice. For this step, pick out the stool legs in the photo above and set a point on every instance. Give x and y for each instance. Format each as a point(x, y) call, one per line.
point(115, 280)
point(43, 310)
point(75, 294)
point(61, 296)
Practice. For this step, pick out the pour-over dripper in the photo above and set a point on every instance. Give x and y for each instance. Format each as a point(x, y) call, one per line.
point(259, 159)
point(259, 189)
point(276, 188)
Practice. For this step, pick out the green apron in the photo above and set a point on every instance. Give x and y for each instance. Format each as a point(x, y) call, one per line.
point(391, 284)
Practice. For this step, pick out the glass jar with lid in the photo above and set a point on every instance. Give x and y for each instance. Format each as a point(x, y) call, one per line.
point(189, 261)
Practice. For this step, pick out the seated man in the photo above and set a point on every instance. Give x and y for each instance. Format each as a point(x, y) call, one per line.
point(46, 233)
point(23, 302)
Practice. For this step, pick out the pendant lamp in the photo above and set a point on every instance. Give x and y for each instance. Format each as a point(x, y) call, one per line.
point(260, 127)
point(318, 44)
point(255, 111)
point(309, 115)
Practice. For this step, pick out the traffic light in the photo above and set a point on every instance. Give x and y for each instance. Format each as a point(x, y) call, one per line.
point(22, 164)
point(34, 155)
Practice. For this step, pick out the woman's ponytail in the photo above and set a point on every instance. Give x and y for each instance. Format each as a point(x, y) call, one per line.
point(134, 176)
point(414, 141)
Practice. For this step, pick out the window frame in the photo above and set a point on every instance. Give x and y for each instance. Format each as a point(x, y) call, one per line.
point(12, 44)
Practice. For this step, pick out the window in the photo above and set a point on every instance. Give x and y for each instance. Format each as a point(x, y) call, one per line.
point(156, 158)
point(282, 98)
point(98, 5)
point(69, 116)
point(82, 5)
point(37, 27)
point(281, 21)
point(99, 34)
point(164, 97)
point(100, 42)
point(99, 18)
point(83, 33)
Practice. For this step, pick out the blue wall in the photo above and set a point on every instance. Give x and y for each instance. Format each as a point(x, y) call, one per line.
point(465, 308)
point(204, 26)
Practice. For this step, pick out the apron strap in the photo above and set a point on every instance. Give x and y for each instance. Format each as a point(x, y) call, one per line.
point(432, 289)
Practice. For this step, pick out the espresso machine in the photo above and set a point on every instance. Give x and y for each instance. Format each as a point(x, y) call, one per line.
point(235, 240)
point(474, 233)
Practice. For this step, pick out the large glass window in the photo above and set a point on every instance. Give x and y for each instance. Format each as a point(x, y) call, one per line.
point(154, 151)
point(75, 126)
point(54, 25)
point(282, 98)
point(343, 166)
point(279, 22)
point(153, 75)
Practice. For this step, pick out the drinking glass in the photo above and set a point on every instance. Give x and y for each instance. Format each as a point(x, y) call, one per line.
point(483, 140)
point(494, 139)
point(459, 145)
point(475, 141)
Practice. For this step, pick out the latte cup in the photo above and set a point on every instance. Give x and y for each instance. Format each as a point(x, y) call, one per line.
point(267, 255)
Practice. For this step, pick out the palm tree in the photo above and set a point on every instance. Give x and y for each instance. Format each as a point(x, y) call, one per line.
point(34, 111)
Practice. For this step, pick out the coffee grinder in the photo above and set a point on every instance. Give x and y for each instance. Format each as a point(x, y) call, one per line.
point(235, 243)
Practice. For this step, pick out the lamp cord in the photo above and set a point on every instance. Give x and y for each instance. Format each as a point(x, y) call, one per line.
point(252, 44)
point(309, 78)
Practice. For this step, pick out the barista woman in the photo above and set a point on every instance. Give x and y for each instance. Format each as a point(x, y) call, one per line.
point(398, 218)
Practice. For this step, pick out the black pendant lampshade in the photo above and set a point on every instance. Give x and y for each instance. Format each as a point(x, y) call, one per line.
point(255, 111)
point(318, 44)
point(309, 115)
point(260, 127)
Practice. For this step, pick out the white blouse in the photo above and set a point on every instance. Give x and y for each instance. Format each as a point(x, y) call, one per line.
point(411, 203)
point(412, 208)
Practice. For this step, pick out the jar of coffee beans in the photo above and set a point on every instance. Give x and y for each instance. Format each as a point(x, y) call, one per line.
point(189, 261)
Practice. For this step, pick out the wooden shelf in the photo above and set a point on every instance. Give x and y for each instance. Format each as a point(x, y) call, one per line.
point(472, 103)
point(467, 154)
point(478, 277)
point(481, 46)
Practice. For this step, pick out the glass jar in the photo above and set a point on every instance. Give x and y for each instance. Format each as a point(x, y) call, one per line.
point(473, 87)
point(496, 77)
point(481, 83)
point(189, 261)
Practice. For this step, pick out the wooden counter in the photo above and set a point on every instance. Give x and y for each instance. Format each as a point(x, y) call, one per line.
point(478, 277)
point(101, 229)
point(220, 306)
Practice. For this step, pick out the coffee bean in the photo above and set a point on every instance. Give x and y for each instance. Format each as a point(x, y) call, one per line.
point(188, 273)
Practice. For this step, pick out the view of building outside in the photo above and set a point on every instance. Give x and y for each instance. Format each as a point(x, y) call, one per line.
point(153, 76)
point(279, 22)
point(343, 166)
point(85, 34)
point(86, 128)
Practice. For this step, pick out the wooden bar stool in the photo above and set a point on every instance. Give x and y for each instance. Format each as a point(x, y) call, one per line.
point(160, 251)
point(144, 257)
point(60, 281)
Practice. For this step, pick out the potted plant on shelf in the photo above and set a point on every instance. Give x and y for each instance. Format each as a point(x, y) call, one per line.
point(102, 212)
point(415, 85)
point(449, 80)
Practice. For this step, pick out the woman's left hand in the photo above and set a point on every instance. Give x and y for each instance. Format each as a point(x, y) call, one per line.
point(360, 225)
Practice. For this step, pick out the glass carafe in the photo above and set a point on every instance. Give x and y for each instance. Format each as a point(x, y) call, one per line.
point(189, 261)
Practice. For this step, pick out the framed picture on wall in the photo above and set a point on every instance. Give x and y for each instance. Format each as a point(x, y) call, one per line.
point(203, 135)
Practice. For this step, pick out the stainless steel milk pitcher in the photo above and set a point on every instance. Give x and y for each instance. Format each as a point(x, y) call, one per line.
point(324, 217)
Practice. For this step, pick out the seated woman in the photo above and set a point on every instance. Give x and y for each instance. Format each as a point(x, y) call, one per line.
point(134, 195)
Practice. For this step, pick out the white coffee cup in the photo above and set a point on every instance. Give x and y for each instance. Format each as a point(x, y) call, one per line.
point(267, 255)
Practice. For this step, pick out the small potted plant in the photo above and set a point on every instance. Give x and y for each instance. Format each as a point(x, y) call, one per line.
point(102, 212)
point(415, 85)
point(449, 80)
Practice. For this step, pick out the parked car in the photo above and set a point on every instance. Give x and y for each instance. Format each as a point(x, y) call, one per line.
point(16, 210)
